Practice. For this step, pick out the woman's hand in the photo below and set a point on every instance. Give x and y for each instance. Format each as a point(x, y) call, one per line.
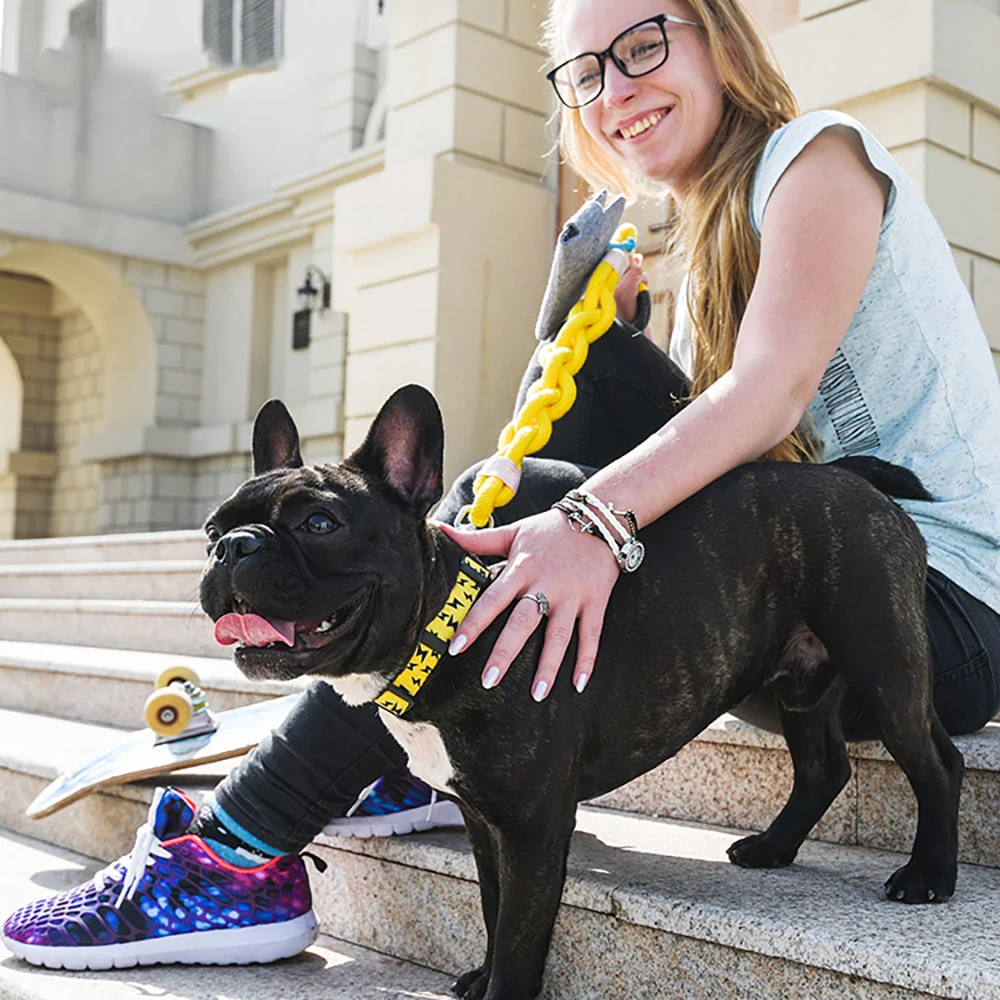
point(575, 572)
point(628, 288)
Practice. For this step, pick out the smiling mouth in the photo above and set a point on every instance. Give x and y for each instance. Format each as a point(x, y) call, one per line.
point(274, 646)
point(644, 125)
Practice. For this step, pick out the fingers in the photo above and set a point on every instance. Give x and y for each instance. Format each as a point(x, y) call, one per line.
point(484, 542)
point(558, 632)
point(589, 634)
point(524, 619)
point(492, 602)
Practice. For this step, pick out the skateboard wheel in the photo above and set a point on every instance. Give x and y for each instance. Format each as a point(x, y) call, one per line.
point(168, 711)
point(181, 674)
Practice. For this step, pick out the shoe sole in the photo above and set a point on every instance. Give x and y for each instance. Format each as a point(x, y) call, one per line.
point(396, 824)
point(236, 946)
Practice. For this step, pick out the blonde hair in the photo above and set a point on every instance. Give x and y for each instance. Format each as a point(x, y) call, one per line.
point(712, 232)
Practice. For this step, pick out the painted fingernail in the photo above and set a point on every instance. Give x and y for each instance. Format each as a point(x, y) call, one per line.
point(491, 677)
point(539, 692)
point(457, 645)
point(581, 683)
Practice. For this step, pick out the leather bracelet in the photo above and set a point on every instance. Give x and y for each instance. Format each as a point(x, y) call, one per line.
point(577, 505)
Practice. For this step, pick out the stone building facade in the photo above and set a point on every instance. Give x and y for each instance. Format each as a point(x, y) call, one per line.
point(172, 171)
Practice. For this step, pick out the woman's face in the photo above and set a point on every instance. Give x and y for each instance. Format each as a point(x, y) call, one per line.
point(682, 99)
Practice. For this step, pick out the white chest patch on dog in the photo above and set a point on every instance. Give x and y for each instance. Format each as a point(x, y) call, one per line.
point(356, 689)
point(425, 748)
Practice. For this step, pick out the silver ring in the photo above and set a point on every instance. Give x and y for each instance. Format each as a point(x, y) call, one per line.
point(541, 600)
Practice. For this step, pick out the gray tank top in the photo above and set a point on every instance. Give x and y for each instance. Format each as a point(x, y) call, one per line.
point(913, 380)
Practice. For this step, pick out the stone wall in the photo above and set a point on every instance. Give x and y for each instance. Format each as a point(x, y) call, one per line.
point(79, 408)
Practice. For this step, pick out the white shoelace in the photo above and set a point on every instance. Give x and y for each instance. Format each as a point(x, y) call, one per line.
point(371, 788)
point(147, 847)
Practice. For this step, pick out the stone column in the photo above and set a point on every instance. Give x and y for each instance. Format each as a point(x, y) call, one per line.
point(441, 258)
point(921, 74)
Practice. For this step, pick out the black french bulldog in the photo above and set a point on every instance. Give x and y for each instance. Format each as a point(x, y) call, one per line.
point(802, 577)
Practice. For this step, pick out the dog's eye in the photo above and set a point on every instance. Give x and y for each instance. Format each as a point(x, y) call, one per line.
point(213, 535)
point(320, 524)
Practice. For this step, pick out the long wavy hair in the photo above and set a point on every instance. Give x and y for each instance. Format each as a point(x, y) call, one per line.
point(711, 232)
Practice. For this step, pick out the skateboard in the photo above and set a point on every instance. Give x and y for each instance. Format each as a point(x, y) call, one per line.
point(180, 733)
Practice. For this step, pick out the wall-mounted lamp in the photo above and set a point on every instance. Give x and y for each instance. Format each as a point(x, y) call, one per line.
point(308, 294)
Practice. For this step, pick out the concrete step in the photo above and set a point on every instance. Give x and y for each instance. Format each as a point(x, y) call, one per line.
point(736, 776)
point(163, 580)
point(651, 909)
point(329, 970)
point(110, 686)
point(142, 547)
point(159, 626)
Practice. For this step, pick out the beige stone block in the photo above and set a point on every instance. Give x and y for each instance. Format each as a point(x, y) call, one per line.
point(949, 120)
point(372, 376)
point(194, 307)
point(478, 125)
point(986, 137)
point(183, 279)
point(413, 20)
point(170, 355)
point(863, 49)
point(423, 66)
point(525, 141)
point(145, 273)
point(180, 383)
point(913, 160)
point(425, 127)
point(965, 198)
point(524, 21)
point(164, 303)
point(986, 285)
point(395, 312)
point(503, 70)
point(816, 8)
point(326, 381)
point(184, 331)
point(410, 254)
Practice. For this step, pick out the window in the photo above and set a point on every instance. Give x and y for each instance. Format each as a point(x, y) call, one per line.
point(85, 20)
point(242, 32)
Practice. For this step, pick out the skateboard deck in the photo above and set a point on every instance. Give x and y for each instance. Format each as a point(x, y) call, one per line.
point(138, 755)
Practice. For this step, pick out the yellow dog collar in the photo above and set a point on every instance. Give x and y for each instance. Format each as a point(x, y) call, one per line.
point(400, 693)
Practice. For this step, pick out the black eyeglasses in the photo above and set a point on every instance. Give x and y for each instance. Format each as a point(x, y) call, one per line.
point(636, 51)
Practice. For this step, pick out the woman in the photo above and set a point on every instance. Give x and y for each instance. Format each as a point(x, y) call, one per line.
point(823, 316)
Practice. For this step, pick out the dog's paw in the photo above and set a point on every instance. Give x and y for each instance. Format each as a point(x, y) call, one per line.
point(911, 885)
point(758, 852)
point(472, 986)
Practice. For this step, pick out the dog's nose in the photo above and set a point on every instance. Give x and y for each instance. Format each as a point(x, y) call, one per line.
point(237, 545)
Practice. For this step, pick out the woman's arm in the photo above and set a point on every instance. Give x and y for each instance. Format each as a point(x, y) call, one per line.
point(819, 238)
point(818, 242)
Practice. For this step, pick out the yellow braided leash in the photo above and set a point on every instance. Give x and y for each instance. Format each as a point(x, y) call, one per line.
point(553, 393)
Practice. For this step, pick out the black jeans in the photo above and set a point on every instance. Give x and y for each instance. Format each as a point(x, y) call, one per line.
point(313, 767)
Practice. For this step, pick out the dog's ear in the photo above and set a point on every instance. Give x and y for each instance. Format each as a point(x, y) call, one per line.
point(275, 439)
point(405, 447)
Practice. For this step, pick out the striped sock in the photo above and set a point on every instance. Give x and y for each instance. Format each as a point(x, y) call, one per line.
point(232, 842)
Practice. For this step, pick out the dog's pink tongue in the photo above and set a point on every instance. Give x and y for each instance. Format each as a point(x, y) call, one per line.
point(253, 630)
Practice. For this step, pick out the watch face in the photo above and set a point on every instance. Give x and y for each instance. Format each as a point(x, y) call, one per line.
point(633, 552)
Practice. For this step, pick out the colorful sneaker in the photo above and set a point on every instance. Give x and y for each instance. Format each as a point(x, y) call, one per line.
point(171, 900)
point(398, 803)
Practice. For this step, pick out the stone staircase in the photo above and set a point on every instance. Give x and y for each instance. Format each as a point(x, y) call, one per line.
point(651, 909)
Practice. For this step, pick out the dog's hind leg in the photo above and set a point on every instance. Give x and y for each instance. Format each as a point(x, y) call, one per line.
point(472, 985)
point(822, 769)
point(888, 669)
point(934, 767)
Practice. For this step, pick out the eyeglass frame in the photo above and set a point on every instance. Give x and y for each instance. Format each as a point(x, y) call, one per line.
point(661, 20)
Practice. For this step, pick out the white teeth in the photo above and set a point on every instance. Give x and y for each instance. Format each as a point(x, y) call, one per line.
point(324, 626)
point(641, 126)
